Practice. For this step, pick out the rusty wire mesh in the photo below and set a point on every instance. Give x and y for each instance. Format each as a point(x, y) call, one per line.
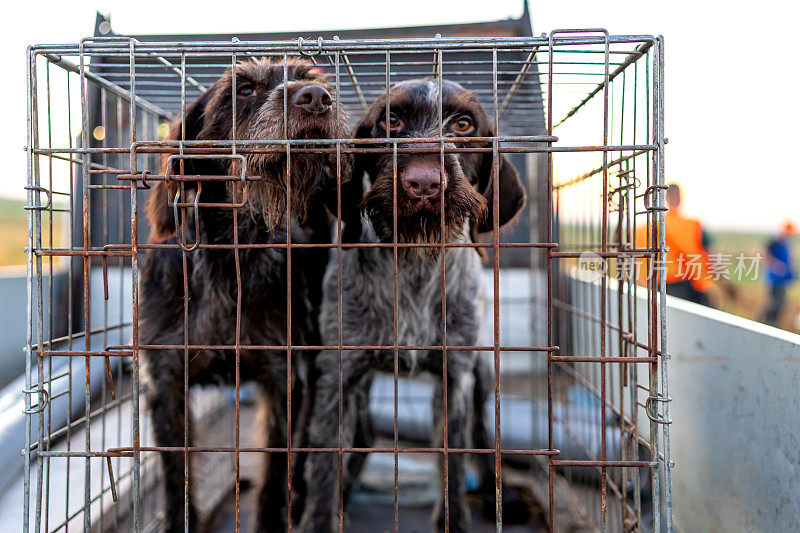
point(581, 114)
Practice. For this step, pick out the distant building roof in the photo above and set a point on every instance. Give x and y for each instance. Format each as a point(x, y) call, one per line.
point(520, 27)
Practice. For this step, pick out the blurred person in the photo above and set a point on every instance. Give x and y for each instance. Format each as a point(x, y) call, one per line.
point(780, 273)
point(686, 263)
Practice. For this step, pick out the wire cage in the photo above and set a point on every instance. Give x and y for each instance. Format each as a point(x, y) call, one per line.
point(575, 332)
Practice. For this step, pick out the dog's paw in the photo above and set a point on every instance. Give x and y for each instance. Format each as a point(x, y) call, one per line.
point(515, 509)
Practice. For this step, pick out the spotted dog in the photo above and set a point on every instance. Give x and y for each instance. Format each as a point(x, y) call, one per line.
point(367, 289)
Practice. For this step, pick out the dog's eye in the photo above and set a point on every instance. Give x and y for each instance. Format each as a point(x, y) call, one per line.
point(463, 125)
point(245, 90)
point(394, 122)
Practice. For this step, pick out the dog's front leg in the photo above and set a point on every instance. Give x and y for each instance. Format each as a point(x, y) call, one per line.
point(460, 382)
point(481, 438)
point(272, 497)
point(303, 396)
point(515, 509)
point(167, 402)
point(322, 470)
point(364, 437)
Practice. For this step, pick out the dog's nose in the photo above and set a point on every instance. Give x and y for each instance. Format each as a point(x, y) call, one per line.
point(313, 99)
point(423, 181)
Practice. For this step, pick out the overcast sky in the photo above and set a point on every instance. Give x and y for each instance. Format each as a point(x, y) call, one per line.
point(732, 112)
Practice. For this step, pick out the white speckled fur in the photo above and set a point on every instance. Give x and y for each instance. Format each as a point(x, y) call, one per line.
point(367, 285)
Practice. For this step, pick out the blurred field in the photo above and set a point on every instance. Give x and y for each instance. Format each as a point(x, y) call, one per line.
point(14, 231)
point(747, 297)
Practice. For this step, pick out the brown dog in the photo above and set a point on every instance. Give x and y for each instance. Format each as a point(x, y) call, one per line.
point(252, 283)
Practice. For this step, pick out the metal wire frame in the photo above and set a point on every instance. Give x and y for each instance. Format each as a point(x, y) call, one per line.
point(559, 78)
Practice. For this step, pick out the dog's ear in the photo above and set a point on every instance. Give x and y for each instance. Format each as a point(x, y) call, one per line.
point(352, 192)
point(512, 192)
point(353, 189)
point(364, 162)
point(159, 206)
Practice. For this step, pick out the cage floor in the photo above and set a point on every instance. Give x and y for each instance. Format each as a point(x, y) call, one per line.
point(368, 517)
point(371, 508)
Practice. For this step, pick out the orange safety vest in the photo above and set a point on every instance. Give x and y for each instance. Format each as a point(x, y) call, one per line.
point(686, 258)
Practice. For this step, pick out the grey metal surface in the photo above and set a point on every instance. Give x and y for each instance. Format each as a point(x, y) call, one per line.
point(735, 386)
point(12, 324)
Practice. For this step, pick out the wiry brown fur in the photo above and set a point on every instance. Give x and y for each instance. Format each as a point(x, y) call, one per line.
point(462, 205)
point(259, 120)
point(418, 112)
point(252, 285)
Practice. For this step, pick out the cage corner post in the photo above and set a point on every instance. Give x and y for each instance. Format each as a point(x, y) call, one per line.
point(30, 77)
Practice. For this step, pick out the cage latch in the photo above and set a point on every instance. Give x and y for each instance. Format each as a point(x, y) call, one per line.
point(309, 54)
point(44, 399)
point(195, 204)
point(651, 408)
point(179, 227)
point(649, 198)
point(39, 188)
point(145, 174)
